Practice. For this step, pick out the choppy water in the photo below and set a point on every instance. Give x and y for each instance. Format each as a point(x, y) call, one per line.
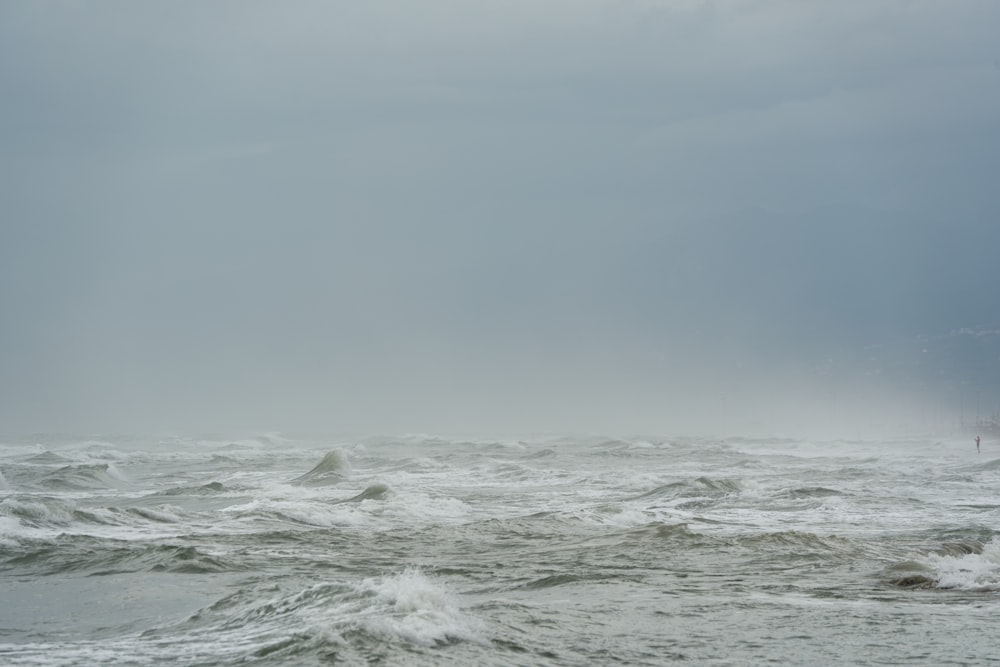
point(545, 551)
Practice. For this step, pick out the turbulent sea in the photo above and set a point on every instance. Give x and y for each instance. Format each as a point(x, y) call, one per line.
point(421, 550)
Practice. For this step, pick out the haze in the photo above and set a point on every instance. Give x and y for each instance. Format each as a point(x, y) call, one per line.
point(494, 216)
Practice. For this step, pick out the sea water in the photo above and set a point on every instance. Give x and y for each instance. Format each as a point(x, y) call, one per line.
point(425, 550)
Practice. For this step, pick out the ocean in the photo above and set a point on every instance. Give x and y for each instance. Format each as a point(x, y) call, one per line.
point(548, 550)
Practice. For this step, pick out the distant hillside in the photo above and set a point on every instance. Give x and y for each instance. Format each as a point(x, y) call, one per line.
point(958, 371)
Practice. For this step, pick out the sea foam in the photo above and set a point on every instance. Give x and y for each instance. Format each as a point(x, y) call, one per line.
point(413, 607)
point(969, 571)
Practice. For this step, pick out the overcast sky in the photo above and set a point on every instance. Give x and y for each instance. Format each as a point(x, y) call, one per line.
point(447, 215)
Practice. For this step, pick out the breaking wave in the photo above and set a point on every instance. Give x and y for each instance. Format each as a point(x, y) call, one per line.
point(967, 566)
point(82, 478)
point(333, 468)
point(330, 621)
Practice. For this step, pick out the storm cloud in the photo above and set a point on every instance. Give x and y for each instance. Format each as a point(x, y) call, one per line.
point(500, 215)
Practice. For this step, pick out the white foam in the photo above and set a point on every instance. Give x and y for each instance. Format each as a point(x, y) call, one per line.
point(971, 572)
point(21, 520)
point(418, 508)
point(415, 608)
point(407, 607)
point(311, 513)
point(10, 530)
point(38, 511)
point(116, 474)
point(620, 516)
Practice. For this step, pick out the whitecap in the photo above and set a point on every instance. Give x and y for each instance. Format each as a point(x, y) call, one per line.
point(967, 571)
point(416, 608)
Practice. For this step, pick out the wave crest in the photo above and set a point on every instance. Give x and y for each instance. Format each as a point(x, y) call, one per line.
point(82, 478)
point(966, 566)
point(333, 468)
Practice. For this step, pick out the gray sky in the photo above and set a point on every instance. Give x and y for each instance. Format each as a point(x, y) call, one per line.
point(565, 215)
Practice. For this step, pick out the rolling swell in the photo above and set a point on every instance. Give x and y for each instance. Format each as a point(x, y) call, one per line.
point(967, 565)
point(82, 478)
point(800, 544)
point(37, 510)
point(993, 464)
point(700, 487)
point(48, 458)
point(567, 578)
point(33, 518)
point(208, 489)
point(811, 492)
point(377, 619)
point(183, 559)
point(373, 492)
point(333, 468)
point(96, 557)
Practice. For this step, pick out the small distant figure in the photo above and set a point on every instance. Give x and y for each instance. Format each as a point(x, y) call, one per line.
point(977, 443)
